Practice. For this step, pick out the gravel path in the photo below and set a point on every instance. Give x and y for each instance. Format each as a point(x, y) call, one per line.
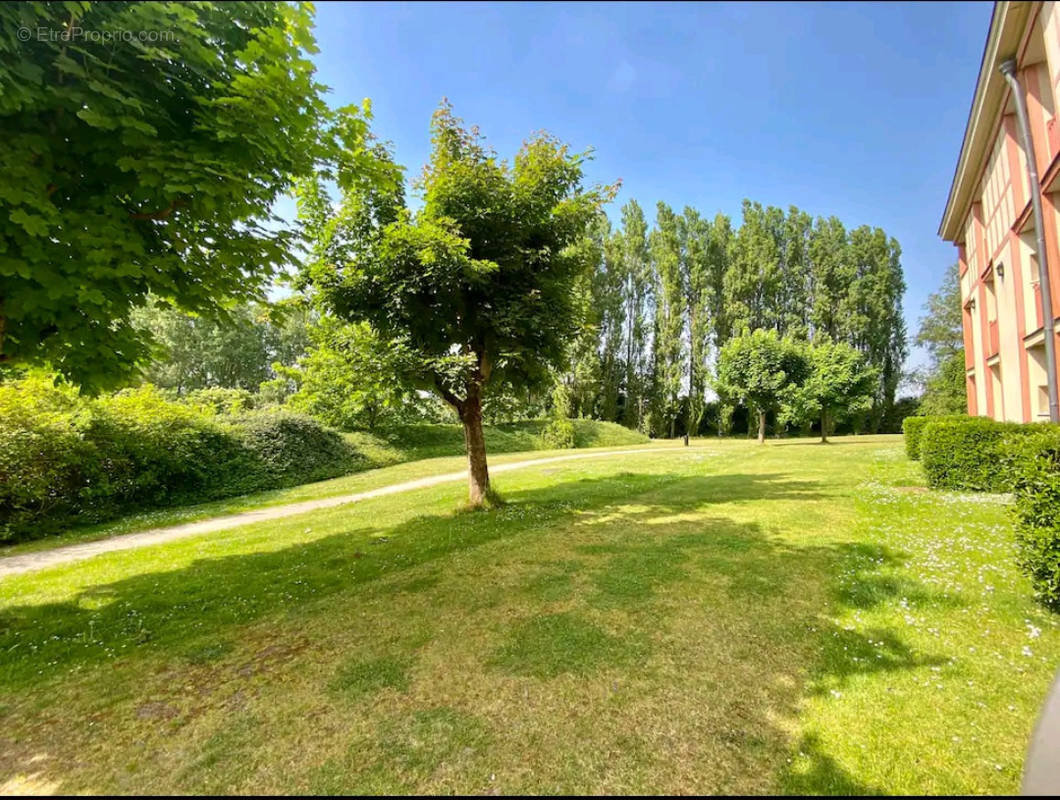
point(31, 562)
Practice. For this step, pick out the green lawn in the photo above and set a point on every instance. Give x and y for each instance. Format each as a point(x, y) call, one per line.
point(725, 618)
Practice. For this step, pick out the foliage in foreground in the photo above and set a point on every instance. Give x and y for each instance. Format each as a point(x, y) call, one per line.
point(1035, 466)
point(145, 165)
point(64, 457)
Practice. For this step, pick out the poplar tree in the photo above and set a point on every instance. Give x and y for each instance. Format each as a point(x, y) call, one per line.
point(637, 281)
point(668, 352)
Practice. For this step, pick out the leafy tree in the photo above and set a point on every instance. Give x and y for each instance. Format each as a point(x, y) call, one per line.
point(829, 276)
point(871, 311)
point(668, 353)
point(795, 274)
point(695, 235)
point(350, 378)
point(476, 286)
point(753, 277)
point(637, 283)
point(941, 334)
point(763, 370)
point(595, 294)
point(838, 383)
point(718, 252)
point(607, 299)
point(236, 351)
point(144, 167)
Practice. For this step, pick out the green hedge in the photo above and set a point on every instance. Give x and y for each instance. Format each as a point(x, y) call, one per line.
point(970, 453)
point(913, 431)
point(912, 427)
point(66, 458)
point(1034, 462)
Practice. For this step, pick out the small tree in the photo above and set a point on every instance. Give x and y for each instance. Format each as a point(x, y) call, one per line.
point(477, 286)
point(761, 370)
point(839, 383)
point(144, 166)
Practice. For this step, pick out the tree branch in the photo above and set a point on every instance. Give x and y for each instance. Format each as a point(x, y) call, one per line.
point(160, 214)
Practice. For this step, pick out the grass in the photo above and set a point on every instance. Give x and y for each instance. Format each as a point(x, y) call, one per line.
point(722, 619)
point(391, 456)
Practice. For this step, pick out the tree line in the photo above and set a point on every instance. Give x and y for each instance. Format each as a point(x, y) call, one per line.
point(661, 301)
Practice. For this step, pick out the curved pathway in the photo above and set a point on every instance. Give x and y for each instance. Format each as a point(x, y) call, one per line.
point(31, 562)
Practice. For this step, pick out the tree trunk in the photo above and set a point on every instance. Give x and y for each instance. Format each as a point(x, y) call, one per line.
point(478, 476)
point(824, 426)
point(761, 427)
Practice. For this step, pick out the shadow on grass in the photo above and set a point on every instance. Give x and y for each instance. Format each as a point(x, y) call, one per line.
point(192, 614)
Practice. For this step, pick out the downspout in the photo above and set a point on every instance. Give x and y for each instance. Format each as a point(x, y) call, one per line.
point(1008, 69)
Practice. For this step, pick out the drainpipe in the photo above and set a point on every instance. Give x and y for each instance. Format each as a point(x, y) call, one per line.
point(1008, 69)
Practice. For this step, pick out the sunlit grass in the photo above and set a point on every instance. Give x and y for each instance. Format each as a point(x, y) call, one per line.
point(725, 618)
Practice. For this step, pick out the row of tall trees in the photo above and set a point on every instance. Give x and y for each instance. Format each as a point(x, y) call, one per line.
point(663, 299)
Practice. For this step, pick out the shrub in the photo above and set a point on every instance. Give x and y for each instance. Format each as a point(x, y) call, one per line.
point(559, 434)
point(1034, 462)
point(912, 427)
point(913, 430)
point(221, 400)
point(969, 453)
point(288, 449)
point(64, 457)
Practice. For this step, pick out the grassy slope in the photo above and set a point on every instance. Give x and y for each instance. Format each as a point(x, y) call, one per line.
point(381, 453)
point(727, 619)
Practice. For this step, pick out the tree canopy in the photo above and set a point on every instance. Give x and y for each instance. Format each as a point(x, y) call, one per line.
point(144, 166)
point(762, 369)
point(941, 334)
point(838, 382)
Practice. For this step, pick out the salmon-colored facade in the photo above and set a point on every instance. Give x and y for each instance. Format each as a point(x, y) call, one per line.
point(989, 216)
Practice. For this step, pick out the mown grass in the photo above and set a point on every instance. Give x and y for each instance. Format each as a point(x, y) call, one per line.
point(727, 618)
point(389, 456)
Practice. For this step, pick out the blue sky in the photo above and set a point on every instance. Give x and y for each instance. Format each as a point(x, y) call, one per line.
point(854, 110)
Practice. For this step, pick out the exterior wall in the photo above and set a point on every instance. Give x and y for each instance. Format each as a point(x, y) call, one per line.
point(1004, 348)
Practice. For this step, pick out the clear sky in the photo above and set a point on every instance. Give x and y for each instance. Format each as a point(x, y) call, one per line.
point(855, 110)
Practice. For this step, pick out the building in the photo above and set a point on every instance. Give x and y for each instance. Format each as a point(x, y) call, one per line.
point(990, 216)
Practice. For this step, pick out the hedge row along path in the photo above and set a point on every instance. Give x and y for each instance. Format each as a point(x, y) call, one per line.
point(31, 562)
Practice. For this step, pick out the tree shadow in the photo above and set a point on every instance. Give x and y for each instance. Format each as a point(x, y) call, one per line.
point(191, 614)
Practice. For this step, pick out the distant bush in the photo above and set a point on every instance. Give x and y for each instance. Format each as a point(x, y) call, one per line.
point(1034, 464)
point(969, 453)
point(222, 401)
point(558, 434)
point(64, 457)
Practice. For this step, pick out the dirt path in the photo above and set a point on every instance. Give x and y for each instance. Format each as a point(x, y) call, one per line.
point(30, 562)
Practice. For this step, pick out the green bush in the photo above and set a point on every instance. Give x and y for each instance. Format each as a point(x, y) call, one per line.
point(559, 434)
point(66, 458)
point(289, 449)
point(912, 428)
point(969, 453)
point(1034, 463)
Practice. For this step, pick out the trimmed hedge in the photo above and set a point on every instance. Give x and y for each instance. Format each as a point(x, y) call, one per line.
point(1034, 462)
point(912, 427)
point(913, 431)
point(66, 458)
point(969, 453)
